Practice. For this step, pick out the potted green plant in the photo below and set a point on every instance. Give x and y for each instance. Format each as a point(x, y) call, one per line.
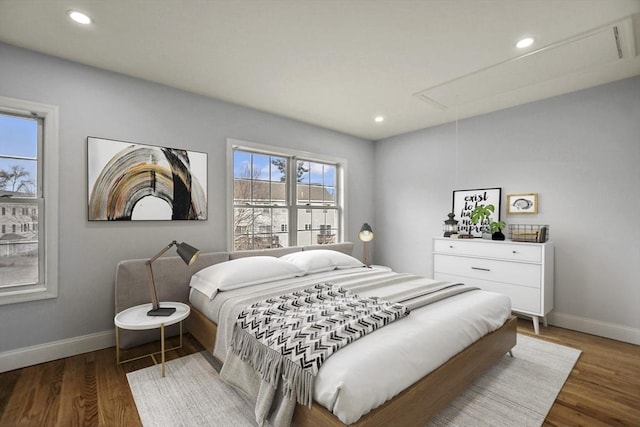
point(496, 230)
point(481, 214)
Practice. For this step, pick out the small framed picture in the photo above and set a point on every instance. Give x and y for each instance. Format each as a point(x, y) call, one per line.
point(522, 203)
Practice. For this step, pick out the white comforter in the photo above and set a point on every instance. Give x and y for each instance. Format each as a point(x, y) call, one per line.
point(373, 369)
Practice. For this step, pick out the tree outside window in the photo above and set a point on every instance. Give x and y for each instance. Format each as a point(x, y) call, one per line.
point(19, 247)
point(263, 211)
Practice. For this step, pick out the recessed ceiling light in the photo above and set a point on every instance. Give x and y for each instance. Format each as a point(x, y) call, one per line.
point(79, 17)
point(525, 42)
point(379, 119)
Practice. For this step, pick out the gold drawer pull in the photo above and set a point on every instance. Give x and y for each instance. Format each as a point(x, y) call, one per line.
point(480, 268)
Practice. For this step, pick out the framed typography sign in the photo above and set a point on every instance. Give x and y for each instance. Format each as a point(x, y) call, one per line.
point(465, 201)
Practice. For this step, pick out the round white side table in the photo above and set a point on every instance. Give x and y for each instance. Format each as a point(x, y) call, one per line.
point(135, 318)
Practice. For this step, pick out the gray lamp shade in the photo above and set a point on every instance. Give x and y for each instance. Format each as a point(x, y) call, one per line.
point(366, 233)
point(188, 253)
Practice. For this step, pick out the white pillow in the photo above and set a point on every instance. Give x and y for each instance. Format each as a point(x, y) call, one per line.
point(319, 260)
point(242, 272)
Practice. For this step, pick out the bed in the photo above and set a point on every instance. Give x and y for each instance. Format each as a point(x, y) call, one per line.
point(419, 398)
point(442, 321)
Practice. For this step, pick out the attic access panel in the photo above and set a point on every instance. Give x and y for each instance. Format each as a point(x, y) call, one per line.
point(561, 59)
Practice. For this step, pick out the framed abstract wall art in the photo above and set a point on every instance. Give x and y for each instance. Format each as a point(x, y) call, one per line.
point(464, 201)
point(129, 182)
point(522, 203)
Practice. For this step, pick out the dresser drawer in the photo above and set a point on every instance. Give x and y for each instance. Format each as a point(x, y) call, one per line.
point(523, 299)
point(488, 249)
point(524, 274)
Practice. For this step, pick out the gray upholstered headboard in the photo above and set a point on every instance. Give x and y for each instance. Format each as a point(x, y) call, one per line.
point(172, 277)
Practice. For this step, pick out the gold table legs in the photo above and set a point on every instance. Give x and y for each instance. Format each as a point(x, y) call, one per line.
point(162, 351)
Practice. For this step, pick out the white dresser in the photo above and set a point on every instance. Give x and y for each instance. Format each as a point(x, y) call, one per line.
point(523, 271)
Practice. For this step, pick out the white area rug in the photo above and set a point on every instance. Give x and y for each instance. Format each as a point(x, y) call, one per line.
point(518, 391)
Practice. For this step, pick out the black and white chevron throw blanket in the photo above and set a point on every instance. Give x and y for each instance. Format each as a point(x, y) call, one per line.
point(290, 336)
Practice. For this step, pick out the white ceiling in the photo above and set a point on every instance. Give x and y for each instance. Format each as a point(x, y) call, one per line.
point(340, 63)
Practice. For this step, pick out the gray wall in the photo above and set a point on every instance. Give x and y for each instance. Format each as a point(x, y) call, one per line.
point(580, 152)
point(98, 103)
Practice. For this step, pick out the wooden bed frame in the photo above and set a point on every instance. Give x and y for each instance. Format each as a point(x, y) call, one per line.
point(416, 404)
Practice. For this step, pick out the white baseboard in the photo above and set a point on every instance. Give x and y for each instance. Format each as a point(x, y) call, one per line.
point(595, 327)
point(27, 356)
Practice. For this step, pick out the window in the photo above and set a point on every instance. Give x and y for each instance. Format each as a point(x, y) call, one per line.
point(28, 198)
point(283, 198)
point(316, 203)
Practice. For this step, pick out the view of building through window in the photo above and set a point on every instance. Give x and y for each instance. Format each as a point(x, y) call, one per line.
point(317, 203)
point(19, 246)
point(264, 214)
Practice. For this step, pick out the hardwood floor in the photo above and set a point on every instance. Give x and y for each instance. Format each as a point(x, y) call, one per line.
point(85, 390)
point(91, 390)
point(604, 386)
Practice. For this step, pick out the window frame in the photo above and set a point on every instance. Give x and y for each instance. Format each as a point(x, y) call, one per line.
point(47, 199)
point(299, 205)
point(292, 205)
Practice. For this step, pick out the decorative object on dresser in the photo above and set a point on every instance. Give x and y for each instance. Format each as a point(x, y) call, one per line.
point(522, 203)
point(522, 271)
point(462, 236)
point(465, 201)
point(529, 233)
point(482, 215)
point(450, 225)
point(366, 236)
point(189, 255)
point(496, 230)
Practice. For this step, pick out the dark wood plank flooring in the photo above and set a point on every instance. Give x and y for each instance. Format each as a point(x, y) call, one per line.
point(92, 390)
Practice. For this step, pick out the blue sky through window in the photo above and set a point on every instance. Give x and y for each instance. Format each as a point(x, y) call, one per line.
point(19, 137)
point(241, 164)
point(256, 166)
point(318, 174)
point(261, 166)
